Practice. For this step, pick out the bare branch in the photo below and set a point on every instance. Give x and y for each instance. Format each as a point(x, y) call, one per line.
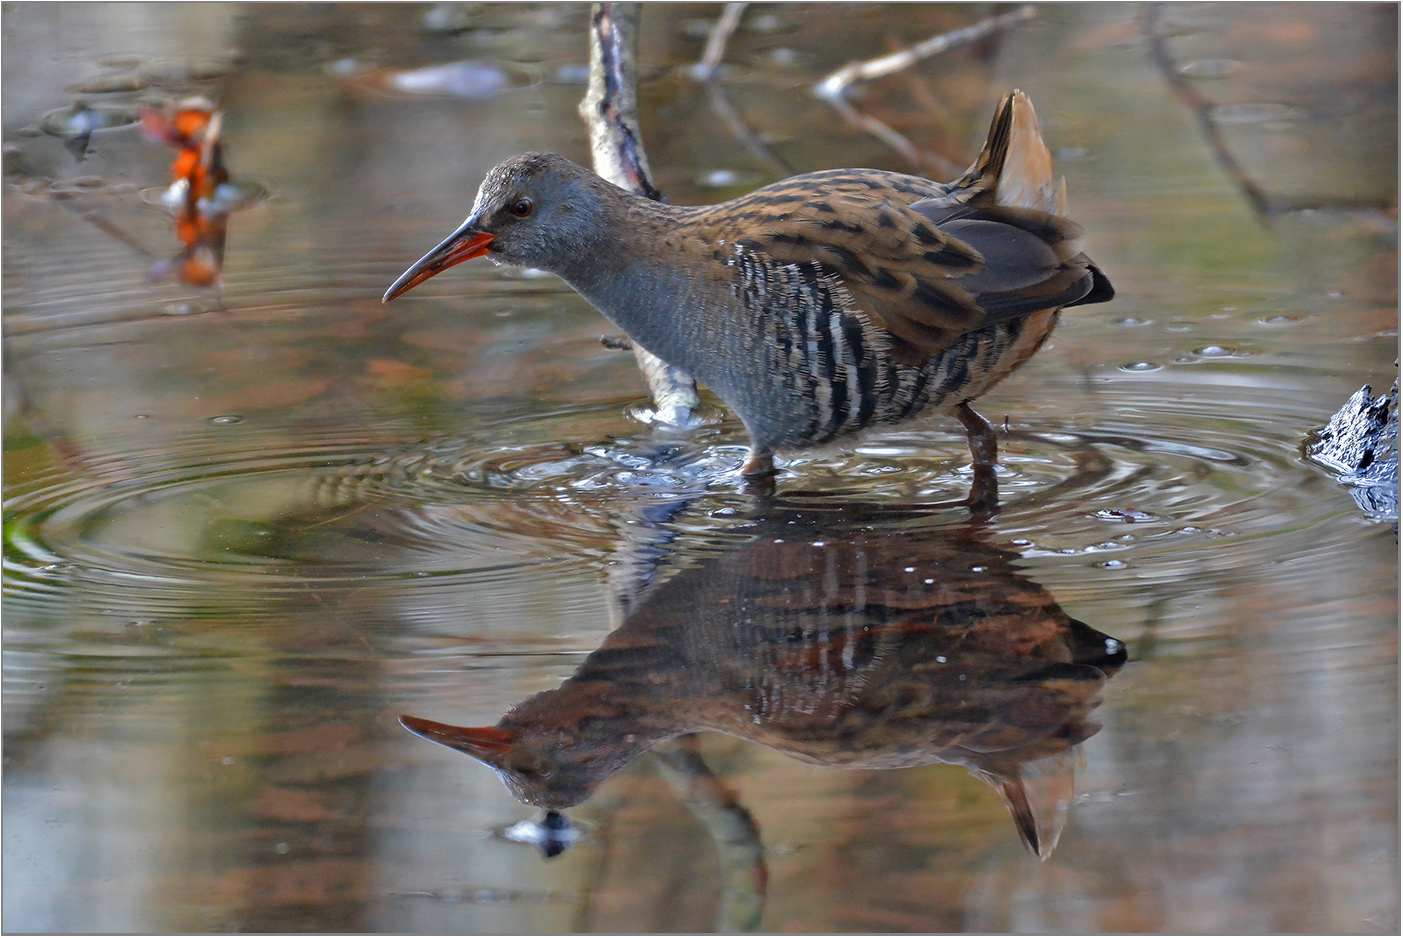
point(744, 873)
point(710, 63)
point(833, 89)
point(722, 106)
point(610, 111)
point(835, 84)
point(1203, 111)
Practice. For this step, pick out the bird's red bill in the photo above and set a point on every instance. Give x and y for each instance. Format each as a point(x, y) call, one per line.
point(451, 252)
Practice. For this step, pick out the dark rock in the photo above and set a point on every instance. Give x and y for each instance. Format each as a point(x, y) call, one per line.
point(1359, 446)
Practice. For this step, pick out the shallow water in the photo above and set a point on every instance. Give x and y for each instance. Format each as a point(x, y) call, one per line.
point(247, 528)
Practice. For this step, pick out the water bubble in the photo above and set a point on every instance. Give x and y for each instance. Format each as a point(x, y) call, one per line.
point(467, 79)
point(1210, 69)
point(122, 60)
point(282, 847)
point(81, 118)
point(1178, 326)
point(697, 29)
point(575, 73)
point(1224, 351)
point(1113, 564)
point(184, 308)
point(345, 67)
point(1141, 366)
point(785, 56)
point(141, 416)
point(1249, 113)
point(172, 72)
point(1131, 321)
point(1282, 319)
point(720, 178)
point(1128, 515)
point(109, 84)
point(766, 23)
point(225, 420)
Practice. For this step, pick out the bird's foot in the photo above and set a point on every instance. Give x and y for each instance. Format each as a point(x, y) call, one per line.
point(759, 472)
point(760, 464)
point(983, 499)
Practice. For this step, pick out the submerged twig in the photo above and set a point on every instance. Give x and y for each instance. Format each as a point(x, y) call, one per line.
point(744, 872)
point(1267, 207)
point(892, 138)
point(835, 84)
point(112, 230)
point(1202, 107)
point(710, 63)
point(722, 106)
point(833, 89)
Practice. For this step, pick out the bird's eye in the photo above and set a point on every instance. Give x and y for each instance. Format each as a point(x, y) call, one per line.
point(536, 768)
point(522, 208)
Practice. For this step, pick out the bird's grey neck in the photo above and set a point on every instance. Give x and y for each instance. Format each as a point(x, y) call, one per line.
point(638, 278)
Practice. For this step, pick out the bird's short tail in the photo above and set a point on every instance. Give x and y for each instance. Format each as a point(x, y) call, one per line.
point(1014, 164)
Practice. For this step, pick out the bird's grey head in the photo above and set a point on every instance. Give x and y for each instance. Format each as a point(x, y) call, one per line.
point(533, 210)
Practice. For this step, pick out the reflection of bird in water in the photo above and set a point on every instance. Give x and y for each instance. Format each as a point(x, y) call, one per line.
point(838, 646)
point(821, 304)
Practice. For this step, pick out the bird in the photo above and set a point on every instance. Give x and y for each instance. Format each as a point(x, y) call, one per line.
point(836, 641)
point(818, 306)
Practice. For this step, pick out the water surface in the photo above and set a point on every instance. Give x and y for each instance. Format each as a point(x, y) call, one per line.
point(247, 528)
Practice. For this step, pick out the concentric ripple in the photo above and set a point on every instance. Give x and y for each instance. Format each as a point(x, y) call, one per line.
point(244, 507)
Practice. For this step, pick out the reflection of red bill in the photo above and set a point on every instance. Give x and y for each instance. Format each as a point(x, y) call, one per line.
point(462, 245)
point(481, 742)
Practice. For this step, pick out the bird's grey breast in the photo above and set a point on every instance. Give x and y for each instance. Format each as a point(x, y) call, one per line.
point(806, 363)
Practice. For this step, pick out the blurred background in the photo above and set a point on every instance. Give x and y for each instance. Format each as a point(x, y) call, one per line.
point(248, 525)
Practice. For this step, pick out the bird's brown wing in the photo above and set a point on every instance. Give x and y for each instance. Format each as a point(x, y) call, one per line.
point(928, 262)
point(929, 270)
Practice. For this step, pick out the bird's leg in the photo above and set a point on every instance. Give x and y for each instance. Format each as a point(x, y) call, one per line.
point(759, 470)
point(984, 447)
point(759, 464)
